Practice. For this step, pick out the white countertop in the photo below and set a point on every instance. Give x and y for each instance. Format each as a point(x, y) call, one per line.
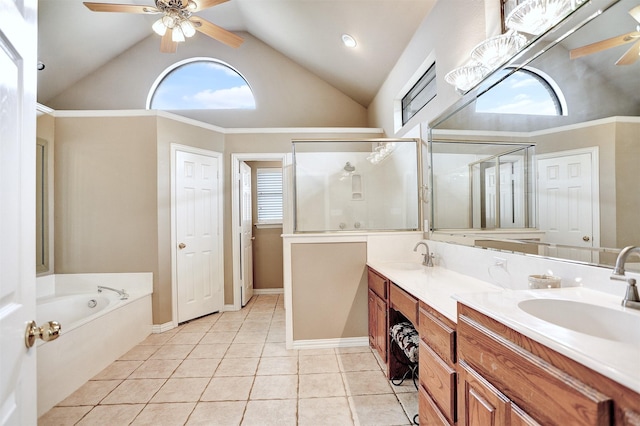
point(434, 286)
point(441, 289)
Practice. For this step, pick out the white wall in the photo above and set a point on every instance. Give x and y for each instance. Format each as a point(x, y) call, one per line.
point(287, 95)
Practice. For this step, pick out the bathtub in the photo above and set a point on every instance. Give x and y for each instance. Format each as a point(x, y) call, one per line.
point(97, 328)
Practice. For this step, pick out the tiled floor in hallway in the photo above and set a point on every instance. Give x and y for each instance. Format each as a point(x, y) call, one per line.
point(233, 369)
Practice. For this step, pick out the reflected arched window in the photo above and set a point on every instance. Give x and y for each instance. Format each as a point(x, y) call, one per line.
point(200, 83)
point(526, 91)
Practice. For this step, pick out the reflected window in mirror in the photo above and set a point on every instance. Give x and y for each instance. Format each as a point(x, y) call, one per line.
point(525, 91)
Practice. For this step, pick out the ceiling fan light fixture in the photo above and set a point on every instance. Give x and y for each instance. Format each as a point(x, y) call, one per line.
point(349, 41)
point(187, 28)
point(177, 36)
point(159, 27)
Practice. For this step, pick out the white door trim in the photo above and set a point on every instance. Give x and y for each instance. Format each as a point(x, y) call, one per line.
point(595, 183)
point(174, 242)
point(236, 159)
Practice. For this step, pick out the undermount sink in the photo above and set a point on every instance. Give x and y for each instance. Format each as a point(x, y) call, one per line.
point(407, 266)
point(594, 320)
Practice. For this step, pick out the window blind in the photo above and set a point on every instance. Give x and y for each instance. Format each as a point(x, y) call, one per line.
point(269, 195)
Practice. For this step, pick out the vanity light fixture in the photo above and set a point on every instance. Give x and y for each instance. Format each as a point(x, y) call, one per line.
point(495, 50)
point(536, 16)
point(349, 41)
point(465, 77)
point(381, 151)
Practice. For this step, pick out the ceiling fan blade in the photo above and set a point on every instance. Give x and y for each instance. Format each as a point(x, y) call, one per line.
point(205, 4)
point(167, 45)
point(635, 12)
point(126, 8)
point(631, 55)
point(216, 32)
point(604, 44)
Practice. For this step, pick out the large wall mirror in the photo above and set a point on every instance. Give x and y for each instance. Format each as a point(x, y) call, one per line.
point(542, 156)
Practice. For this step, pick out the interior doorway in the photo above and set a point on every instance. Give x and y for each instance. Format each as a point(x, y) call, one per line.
point(197, 243)
point(256, 243)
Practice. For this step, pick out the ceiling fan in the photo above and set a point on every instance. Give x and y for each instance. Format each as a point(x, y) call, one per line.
point(630, 56)
point(177, 20)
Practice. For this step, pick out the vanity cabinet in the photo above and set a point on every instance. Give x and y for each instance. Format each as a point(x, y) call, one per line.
point(508, 378)
point(438, 376)
point(378, 308)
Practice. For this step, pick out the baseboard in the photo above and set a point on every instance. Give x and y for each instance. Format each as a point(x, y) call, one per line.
point(259, 291)
point(161, 328)
point(331, 343)
point(229, 308)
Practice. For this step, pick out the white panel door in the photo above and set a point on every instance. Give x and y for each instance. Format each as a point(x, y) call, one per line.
point(246, 234)
point(564, 200)
point(199, 268)
point(18, 45)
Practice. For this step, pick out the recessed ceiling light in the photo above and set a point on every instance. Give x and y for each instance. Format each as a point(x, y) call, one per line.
point(348, 40)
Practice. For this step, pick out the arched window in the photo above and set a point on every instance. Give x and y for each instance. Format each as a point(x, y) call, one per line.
point(526, 91)
point(200, 83)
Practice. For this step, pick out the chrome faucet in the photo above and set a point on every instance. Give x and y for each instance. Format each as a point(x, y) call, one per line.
point(631, 298)
point(427, 258)
point(122, 293)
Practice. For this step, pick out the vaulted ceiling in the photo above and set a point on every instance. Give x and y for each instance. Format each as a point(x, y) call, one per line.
point(74, 41)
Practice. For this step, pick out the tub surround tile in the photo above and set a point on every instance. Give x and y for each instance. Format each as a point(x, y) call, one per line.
point(274, 412)
point(324, 411)
point(109, 415)
point(181, 390)
point(228, 389)
point(220, 413)
point(204, 367)
point(156, 369)
point(164, 414)
point(91, 393)
point(321, 385)
point(60, 416)
point(275, 387)
point(134, 391)
point(118, 370)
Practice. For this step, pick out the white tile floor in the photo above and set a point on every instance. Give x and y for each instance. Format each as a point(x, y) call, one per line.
point(233, 369)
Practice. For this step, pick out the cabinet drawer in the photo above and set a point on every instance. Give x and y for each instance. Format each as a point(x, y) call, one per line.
point(438, 335)
point(439, 380)
point(404, 303)
point(378, 284)
point(546, 393)
point(430, 415)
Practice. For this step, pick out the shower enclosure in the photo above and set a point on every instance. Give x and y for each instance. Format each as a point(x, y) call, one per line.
point(357, 185)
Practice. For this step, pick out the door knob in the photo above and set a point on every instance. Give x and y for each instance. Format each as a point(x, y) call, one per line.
point(50, 330)
point(181, 246)
point(586, 239)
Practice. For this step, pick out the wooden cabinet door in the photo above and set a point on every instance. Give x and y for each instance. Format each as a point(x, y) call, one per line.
point(481, 403)
point(373, 327)
point(519, 418)
point(382, 332)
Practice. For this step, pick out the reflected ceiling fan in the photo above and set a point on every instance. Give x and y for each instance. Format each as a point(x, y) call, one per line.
point(177, 21)
point(630, 56)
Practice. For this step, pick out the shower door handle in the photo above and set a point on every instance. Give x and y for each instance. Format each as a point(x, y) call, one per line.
point(50, 330)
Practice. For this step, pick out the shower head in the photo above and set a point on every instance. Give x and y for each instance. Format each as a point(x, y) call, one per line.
point(349, 168)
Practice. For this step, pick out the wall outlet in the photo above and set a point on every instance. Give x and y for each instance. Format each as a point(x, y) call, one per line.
point(500, 262)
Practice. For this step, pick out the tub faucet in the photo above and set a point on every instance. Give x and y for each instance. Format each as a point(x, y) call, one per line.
point(631, 298)
point(122, 293)
point(427, 258)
